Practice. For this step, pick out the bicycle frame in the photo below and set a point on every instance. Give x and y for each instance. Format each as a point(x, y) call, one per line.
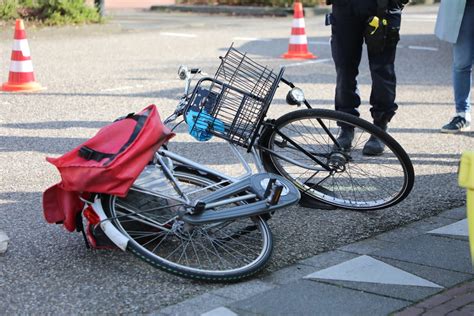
point(204, 169)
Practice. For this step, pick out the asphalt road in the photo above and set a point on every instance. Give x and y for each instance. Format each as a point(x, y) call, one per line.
point(95, 74)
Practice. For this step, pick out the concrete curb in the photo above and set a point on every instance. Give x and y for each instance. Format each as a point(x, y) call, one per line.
point(240, 10)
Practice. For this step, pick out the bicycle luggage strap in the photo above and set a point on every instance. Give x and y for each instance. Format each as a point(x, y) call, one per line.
point(92, 154)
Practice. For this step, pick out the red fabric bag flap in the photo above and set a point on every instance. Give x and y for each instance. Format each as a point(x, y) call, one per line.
point(118, 153)
point(60, 206)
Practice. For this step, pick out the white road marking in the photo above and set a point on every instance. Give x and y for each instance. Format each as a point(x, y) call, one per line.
point(3, 242)
point(138, 86)
point(319, 43)
point(252, 39)
point(431, 18)
point(432, 49)
point(220, 311)
point(458, 229)
point(418, 21)
point(117, 89)
point(317, 61)
point(427, 48)
point(178, 34)
point(370, 270)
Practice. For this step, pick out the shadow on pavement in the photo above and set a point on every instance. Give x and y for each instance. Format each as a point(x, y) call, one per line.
point(50, 145)
point(56, 125)
point(201, 152)
point(173, 94)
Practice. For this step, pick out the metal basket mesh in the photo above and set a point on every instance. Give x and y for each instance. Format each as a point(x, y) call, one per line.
point(241, 93)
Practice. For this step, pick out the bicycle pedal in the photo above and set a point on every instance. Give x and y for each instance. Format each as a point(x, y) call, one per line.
point(198, 208)
point(277, 190)
point(269, 188)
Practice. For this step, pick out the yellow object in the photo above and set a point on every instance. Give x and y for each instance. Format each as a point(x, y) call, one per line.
point(375, 23)
point(466, 180)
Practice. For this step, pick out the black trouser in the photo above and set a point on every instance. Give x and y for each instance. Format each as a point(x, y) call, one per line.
point(348, 25)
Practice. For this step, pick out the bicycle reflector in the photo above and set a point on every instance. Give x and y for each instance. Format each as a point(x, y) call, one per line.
point(91, 215)
point(295, 96)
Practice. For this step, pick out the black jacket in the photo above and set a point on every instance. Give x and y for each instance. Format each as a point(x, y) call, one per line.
point(392, 4)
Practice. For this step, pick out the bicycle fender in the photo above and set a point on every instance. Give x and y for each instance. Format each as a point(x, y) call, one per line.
point(109, 229)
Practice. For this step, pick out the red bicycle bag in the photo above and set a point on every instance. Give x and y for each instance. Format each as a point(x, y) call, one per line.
point(107, 163)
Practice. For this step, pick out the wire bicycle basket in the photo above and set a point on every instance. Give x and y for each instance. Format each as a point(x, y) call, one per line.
point(233, 104)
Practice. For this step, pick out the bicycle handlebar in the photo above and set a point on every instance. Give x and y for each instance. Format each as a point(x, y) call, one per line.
point(289, 83)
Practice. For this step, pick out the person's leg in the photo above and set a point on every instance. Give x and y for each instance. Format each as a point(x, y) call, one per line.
point(382, 71)
point(346, 46)
point(463, 55)
point(384, 81)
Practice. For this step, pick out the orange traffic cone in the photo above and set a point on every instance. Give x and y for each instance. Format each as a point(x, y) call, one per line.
point(298, 47)
point(21, 76)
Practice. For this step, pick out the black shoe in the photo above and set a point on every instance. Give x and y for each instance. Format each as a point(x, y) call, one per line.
point(375, 147)
point(345, 139)
point(457, 124)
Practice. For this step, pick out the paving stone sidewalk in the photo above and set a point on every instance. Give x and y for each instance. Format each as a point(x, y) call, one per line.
point(423, 268)
point(458, 301)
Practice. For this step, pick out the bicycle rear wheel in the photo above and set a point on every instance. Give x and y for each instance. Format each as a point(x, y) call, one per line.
point(351, 180)
point(224, 251)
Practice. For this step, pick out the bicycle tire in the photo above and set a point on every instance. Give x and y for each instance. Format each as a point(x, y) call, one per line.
point(346, 191)
point(223, 240)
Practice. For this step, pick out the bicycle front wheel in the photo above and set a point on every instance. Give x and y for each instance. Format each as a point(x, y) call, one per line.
point(223, 251)
point(301, 146)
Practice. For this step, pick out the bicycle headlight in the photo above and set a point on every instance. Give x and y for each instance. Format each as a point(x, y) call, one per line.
point(182, 72)
point(295, 96)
